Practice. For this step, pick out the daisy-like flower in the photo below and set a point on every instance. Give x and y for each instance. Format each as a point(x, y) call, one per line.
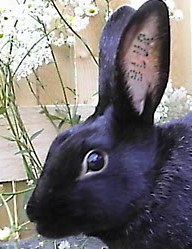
point(91, 10)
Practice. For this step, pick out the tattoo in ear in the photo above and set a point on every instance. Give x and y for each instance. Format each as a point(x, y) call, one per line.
point(140, 53)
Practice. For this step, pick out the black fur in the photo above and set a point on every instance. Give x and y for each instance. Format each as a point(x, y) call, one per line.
point(143, 198)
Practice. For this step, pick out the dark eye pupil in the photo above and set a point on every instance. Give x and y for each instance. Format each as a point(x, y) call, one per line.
point(95, 161)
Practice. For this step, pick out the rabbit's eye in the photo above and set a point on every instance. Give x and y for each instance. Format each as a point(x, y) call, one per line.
point(94, 161)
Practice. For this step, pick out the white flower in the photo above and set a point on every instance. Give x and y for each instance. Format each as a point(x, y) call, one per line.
point(91, 10)
point(5, 233)
point(25, 27)
point(78, 11)
point(64, 245)
point(170, 4)
point(80, 23)
point(178, 14)
point(176, 102)
point(83, 2)
point(41, 243)
point(58, 41)
point(108, 14)
point(70, 40)
point(174, 13)
point(136, 4)
point(27, 32)
point(30, 182)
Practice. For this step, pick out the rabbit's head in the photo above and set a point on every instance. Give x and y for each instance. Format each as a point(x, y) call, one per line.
point(97, 172)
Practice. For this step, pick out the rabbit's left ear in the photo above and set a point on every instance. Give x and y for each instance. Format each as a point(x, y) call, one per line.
point(142, 63)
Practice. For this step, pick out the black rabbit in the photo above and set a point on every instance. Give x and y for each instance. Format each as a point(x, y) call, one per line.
point(117, 176)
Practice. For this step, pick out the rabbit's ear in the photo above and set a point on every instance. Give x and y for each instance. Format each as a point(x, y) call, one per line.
point(142, 63)
point(109, 43)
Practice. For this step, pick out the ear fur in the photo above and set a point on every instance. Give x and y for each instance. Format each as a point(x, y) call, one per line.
point(142, 63)
point(109, 43)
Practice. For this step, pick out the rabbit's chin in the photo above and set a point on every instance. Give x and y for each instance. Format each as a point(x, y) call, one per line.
point(57, 229)
point(53, 231)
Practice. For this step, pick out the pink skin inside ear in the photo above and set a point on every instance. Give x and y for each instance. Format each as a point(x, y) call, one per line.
point(141, 61)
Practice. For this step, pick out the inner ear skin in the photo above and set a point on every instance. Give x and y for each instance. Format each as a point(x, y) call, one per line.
point(141, 61)
point(142, 64)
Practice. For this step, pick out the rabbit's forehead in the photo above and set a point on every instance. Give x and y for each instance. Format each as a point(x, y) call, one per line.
point(90, 134)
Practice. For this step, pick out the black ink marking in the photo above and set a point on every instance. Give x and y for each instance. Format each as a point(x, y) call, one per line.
point(140, 77)
point(144, 45)
point(134, 63)
point(141, 65)
point(135, 75)
point(143, 38)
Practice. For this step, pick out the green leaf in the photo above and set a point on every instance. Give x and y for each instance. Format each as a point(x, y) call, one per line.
point(76, 119)
point(21, 152)
point(2, 110)
point(11, 139)
point(36, 134)
point(54, 117)
point(61, 124)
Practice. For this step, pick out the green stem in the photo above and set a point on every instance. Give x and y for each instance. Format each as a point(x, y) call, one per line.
point(108, 8)
point(23, 129)
point(74, 32)
point(39, 102)
point(15, 206)
point(18, 144)
point(24, 224)
point(7, 200)
point(60, 79)
point(19, 131)
point(7, 210)
point(18, 192)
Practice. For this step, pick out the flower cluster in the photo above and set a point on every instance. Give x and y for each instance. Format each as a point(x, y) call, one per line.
point(175, 103)
point(29, 27)
point(7, 234)
point(22, 35)
point(174, 12)
point(64, 245)
point(80, 11)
